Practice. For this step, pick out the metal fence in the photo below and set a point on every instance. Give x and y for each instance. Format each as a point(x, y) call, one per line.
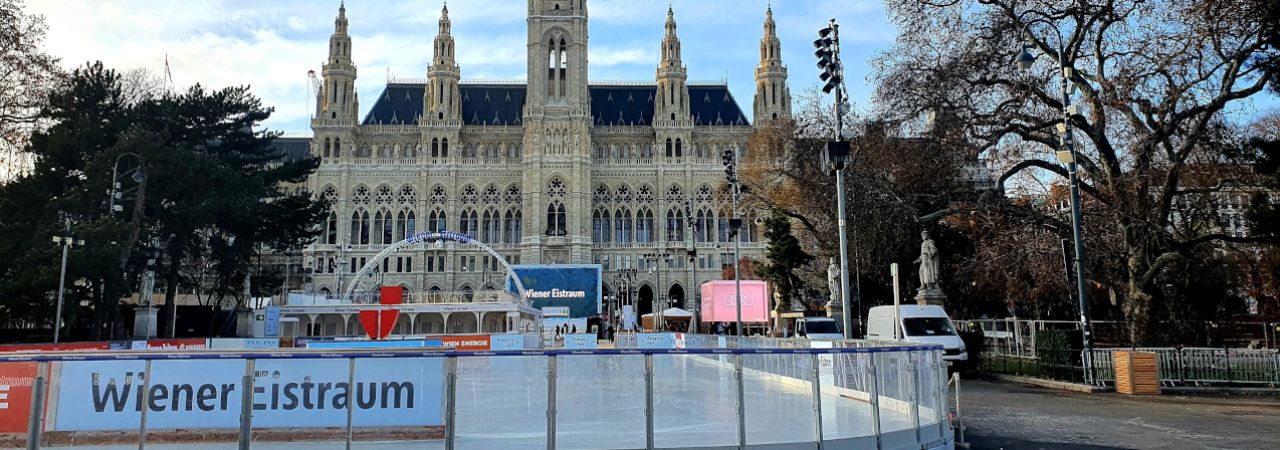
point(851, 395)
point(1017, 337)
point(1009, 348)
point(1188, 366)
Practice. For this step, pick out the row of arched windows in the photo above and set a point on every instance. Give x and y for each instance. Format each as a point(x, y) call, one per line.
point(621, 226)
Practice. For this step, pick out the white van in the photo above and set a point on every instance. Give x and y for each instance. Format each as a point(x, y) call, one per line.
point(818, 328)
point(924, 324)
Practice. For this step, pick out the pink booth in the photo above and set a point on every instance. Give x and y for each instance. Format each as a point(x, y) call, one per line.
point(719, 302)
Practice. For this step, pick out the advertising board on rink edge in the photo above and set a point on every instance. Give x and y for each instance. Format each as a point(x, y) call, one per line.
point(287, 393)
point(16, 379)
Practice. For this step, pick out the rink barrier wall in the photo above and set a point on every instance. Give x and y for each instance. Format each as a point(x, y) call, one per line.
point(48, 423)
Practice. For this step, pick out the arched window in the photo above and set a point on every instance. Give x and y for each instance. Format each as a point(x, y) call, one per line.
point(436, 222)
point(469, 223)
point(678, 148)
point(337, 147)
point(435, 148)
point(444, 148)
point(675, 225)
point(326, 147)
point(724, 226)
point(622, 230)
point(331, 229)
point(360, 221)
point(492, 227)
point(702, 224)
point(669, 148)
point(557, 220)
point(512, 227)
point(644, 226)
point(410, 224)
point(400, 231)
point(600, 226)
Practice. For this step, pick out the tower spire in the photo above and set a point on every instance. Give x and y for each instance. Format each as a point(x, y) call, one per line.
point(440, 101)
point(671, 41)
point(773, 97)
point(671, 108)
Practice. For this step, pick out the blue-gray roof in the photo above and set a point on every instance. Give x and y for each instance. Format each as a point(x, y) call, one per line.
point(503, 104)
point(291, 149)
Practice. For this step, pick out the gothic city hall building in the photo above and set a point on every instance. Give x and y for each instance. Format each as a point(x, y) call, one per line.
point(553, 170)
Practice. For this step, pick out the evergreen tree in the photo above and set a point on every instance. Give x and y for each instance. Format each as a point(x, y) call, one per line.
point(785, 259)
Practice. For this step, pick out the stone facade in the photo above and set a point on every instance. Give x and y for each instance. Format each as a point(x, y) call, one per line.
point(556, 169)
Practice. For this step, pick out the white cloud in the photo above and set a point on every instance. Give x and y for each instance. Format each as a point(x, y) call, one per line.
point(296, 24)
point(271, 45)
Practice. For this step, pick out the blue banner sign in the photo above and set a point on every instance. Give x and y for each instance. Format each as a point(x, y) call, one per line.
point(287, 393)
point(574, 286)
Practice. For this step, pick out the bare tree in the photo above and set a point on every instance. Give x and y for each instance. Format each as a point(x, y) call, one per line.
point(1156, 81)
point(26, 75)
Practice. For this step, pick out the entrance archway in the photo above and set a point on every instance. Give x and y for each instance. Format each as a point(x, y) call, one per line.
point(644, 305)
point(437, 238)
point(675, 297)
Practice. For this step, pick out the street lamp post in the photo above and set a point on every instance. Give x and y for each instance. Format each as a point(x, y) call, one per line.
point(138, 175)
point(692, 251)
point(1068, 156)
point(836, 157)
point(730, 160)
point(66, 240)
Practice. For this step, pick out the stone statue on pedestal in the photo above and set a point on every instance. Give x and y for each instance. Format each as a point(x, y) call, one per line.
point(930, 273)
point(833, 280)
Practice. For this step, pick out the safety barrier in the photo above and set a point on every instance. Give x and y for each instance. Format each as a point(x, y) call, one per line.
point(1194, 366)
point(847, 396)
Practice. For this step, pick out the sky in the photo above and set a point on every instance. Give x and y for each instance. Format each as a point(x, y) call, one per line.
point(270, 45)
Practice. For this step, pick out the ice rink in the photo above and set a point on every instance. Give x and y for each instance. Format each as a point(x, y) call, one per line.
point(600, 404)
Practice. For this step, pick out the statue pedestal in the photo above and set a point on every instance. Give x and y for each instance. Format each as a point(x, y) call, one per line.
point(930, 297)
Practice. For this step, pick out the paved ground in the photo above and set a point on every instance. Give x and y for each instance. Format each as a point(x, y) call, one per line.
point(1001, 415)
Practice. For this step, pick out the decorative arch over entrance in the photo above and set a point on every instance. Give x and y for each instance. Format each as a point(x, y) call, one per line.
point(439, 239)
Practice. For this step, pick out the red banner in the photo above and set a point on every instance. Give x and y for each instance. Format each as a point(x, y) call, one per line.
point(15, 395)
point(478, 343)
point(392, 295)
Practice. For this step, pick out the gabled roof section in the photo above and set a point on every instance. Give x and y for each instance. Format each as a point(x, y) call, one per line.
point(503, 105)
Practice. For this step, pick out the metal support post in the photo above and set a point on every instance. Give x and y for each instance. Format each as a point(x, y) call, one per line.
point(938, 365)
point(915, 393)
point(816, 381)
point(551, 402)
point(648, 401)
point(846, 315)
point(66, 242)
point(875, 400)
point(451, 402)
point(246, 406)
point(959, 416)
point(35, 422)
point(146, 405)
point(742, 406)
point(351, 398)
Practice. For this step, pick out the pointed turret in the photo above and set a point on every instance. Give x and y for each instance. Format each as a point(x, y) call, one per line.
point(671, 106)
point(773, 96)
point(441, 101)
point(338, 97)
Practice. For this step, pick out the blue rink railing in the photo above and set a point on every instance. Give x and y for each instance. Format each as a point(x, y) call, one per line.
point(854, 395)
